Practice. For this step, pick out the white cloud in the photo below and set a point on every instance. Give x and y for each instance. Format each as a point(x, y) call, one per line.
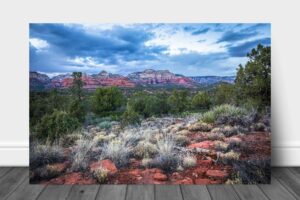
point(39, 44)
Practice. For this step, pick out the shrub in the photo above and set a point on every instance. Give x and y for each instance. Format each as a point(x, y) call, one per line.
point(106, 100)
point(229, 130)
point(221, 146)
point(215, 136)
point(99, 139)
point(77, 110)
point(182, 140)
point(200, 126)
point(145, 149)
point(201, 100)
point(230, 156)
point(52, 127)
point(224, 114)
point(130, 117)
point(147, 162)
point(41, 155)
point(259, 127)
point(70, 140)
point(118, 151)
point(105, 125)
point(189, 161)
point(80, 155)
point(253, 171)
point(101, 174)
point(167, 158)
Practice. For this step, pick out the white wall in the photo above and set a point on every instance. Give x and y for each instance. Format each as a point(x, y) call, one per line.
point(15, 16)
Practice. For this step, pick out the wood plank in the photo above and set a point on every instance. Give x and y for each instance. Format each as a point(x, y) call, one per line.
point(195, 192)
point(12, 180)
point(55, 192)
point(168, 192)
point(109, 192)
point(249, 192)
point(289, 180)
point(4, 170)
point(86, 192)
point(25, 191)
point(276, 191)
point(140, 192)
point(222, 192)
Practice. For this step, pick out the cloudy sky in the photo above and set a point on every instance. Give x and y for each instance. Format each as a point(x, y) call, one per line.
point(188, 49)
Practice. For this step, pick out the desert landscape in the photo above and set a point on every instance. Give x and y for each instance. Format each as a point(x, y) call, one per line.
point(151, 126)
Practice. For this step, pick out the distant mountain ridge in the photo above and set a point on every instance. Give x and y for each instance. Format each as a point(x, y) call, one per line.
point(148, 77)
point(209, 80)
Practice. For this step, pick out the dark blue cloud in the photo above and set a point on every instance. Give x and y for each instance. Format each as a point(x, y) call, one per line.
point(200, 31)
point(231, 36)
point(244, 48)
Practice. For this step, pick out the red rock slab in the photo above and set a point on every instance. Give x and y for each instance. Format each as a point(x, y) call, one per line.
point(205, 181)
point(217, 174)
point(185, 181)
point(203, 145)
point(73, 178)
point(106, 164)
point(160, 177)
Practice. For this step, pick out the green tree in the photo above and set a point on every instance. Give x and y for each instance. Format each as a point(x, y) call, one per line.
point(77, 85)
point(224, 94)
point(76, 108)
point(106, 100)
point(53, 126)
point(253, 81)
point(178, 101)
point(130, 117)
point(201, 100)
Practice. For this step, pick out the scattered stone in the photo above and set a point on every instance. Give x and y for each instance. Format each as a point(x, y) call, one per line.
point(106, 164)
point(202, 145)
point(185, 181)
point(73, 178)
point(160, 177)
point(217, 174)
point(203, 181)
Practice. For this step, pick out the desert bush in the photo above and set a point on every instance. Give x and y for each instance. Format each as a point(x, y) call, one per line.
point(189, 161)
point(223, 114)
point(105, 125)
point(230, 157)
point(99, 139)
point(234, 142)
point(101, 175)
point(147, 162)
point(69, 140)
point(253, 171)
point(81, 155)
point(55, 125)
point(118, 151)
point(167, 158)
point(145, 149)
point(221, 146)
point(200, 126)
point(41, 155)
point(215, 136)
point(258, 127)
point(181, 140)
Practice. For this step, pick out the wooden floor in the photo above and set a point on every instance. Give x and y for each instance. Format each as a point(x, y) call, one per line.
point(285, 186)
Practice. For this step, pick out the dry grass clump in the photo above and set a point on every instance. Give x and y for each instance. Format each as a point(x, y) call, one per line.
point(70, 139)
point(221, 146)
point(145, 149)
point(189, 161)
point(200, 126)
point(147, 162)
point(230, 156)
point(118, 151)
point(182, 140)
point(99, 139)
point(41, 155)
point(101, 175)
point(81, 154)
